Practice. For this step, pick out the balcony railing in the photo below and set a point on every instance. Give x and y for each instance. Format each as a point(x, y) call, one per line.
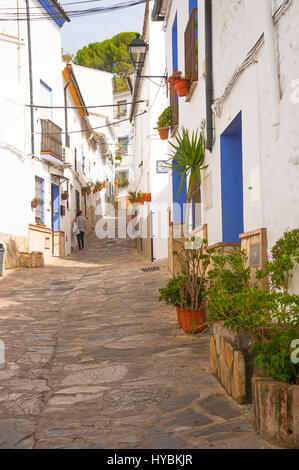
point(51, 141)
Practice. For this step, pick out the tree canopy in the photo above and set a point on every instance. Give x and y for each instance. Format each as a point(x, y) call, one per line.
point(110, 55)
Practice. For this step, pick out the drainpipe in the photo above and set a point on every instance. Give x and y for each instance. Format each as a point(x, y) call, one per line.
point(272, 62)
point(30, 76)
point(209, 75)
point(67, 137)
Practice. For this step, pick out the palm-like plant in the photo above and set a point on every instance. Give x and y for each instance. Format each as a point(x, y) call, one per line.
point(187, 159)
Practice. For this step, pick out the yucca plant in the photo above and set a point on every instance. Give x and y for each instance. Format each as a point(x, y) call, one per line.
point(187, 159)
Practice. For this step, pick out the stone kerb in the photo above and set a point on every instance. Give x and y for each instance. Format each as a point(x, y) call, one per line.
point(231, 361)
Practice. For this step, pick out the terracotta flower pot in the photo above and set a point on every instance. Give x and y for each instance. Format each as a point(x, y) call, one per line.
point(64, 197)
point(164, 132)
point(178, 311)
point(34, 204)
point(147, 197)
point(193, 320)
point(182, 87)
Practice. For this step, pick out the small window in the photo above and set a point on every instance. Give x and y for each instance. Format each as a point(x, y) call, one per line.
point(123, 143)
point(196, 204)
point(40, 195)
point(45, 100)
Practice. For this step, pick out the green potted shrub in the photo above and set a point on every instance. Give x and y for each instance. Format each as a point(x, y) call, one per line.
point(170, 294)
point(64, 195)
point(194, 259)
point(164, 123)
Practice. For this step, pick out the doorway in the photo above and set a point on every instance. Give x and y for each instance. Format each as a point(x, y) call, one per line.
point(55, 205)
point(232, 181)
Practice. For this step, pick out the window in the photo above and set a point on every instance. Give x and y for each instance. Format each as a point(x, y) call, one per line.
point(191, 47)
point(76, 163)
point(196, 204)
point(122, 178)
point(175, 43)
point(45, 100)
point(77, 200)
point(40, 195)
point(123, 143)
point(121, 109)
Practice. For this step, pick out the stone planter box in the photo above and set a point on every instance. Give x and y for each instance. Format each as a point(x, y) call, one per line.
point(276, 410)
point(231, 361)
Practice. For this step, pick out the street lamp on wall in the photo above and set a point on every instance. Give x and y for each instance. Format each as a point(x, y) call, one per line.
point(138, 49)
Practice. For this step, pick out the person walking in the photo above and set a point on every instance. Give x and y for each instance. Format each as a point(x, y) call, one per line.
point(79, 227)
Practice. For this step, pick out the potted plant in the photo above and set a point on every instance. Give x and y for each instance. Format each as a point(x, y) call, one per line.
point(164, 123)
point(118, 158)
point(170, 294)
point(34, 203)
point(147, 197)
point(179, 83)
point(64, 195)
point(194, 259)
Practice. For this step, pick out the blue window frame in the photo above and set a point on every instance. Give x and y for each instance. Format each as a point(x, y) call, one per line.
point(175, 60)
point(192, 4)
point(123, 143)
point(180, 200)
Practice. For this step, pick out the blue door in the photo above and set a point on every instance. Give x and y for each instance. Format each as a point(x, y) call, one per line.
point(55, 207)
point(232, 181)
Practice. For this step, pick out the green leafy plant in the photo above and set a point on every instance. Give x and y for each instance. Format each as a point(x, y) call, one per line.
point(170, 294)
point(187, 159)
point(282, 264)
point(194, 259)
point(165, 119)
point(229, 275)
point(269, 316)
point(118, 158)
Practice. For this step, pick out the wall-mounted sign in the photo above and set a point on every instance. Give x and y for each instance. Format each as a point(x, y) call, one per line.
point(161, 166)
point(255, 253)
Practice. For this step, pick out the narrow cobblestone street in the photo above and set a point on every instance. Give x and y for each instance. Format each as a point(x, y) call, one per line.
point(93, 360)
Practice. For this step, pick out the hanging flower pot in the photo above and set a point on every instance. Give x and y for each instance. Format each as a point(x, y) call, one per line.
point(34, 203)
point(147, 197)
point(64, 195)
point(182, 87)
point(164, 132)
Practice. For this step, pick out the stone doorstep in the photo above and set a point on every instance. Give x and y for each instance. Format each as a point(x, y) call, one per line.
point(276, 410)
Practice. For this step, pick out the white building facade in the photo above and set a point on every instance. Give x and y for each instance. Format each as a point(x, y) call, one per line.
point(245, 97)
point(37, 163)
point(150, 152)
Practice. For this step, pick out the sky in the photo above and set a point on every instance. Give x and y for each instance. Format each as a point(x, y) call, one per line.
point(95, 28)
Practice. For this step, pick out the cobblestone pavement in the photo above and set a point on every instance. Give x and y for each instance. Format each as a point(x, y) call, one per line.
point(93, 360)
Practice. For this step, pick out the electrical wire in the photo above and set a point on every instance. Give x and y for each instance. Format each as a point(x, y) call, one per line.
point(11, 16)
point(79, 107)
point(91, 128)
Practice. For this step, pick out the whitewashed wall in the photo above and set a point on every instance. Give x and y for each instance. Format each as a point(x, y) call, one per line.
point(270, 166)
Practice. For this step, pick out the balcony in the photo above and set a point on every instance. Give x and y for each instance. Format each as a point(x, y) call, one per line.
point(51, 143)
